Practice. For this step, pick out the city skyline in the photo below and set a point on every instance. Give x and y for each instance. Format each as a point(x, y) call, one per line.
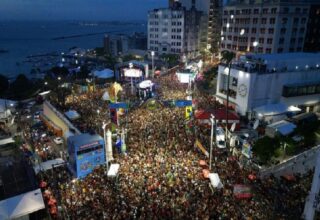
point(95, 10)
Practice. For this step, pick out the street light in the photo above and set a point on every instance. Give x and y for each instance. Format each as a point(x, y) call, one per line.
point(255, 44)
point(105, 144)
point(45, 83)
point(130, 66)
point(242, 31)
point(59, 78)
point(152, 60)
point(211, 140)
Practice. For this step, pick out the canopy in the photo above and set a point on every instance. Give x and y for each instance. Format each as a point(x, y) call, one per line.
point(106, 96)
point(6, 141)
point(104, 74)
point(220, 114)
point(146, 84)
point(21, 205)
point(274, 109)
point(72, 115)
point(283, 127)
point(48, 165)
point(215, 180)
point(113, 171)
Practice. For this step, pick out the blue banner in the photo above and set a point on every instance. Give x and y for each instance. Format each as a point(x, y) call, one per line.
point(118, 105)
point(183, 103)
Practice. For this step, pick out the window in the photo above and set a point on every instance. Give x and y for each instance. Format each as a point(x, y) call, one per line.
point(296, 21)
point(260, 49)
point(273, 10)
point(265, 11)
point(262, 30)
point(300, 40)
point(253, 39)
point(285, 10)
point(305, 11)
point(235, 30)
point(164, 49)
point(284, 20)
point(302, 30)
point(272, 20)
point(299, 49)
point(256, 11)
point(280, 50)
point(292, 40)
point(298, 10)
point(254, 30)
point(291, 49)
point(270, 30)
point(225, 12)
point(263, 21)
point(235, 38)
point(281, 40)
point(261, 40)
point(269, 41)
point(255, 20)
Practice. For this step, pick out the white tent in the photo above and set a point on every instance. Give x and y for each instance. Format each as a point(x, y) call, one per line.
point(106, 96)
point(72, 115)
point(113, 171)
point(104, 74)
point(274, 109)
point(6, 141)
point(215, 180)
point(283, 127)
point(48, 165)
point(146, 84)
point(21, 205)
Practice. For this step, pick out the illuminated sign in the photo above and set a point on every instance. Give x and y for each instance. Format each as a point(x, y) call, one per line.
point(88, 145)
point(132, 72)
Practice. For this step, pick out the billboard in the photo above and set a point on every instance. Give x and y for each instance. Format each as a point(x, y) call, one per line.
point(132, 72)
point(246, 150)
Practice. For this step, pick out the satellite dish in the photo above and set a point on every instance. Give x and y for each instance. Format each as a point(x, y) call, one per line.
point(233, 126)
point(256, 124)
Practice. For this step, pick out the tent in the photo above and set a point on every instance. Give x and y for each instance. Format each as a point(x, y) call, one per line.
point(106, 96)
point(72, 115)
point(104, 74)
point(21, 205)
point(6, 141)
point(215, 180)
point(282, 127)
point(114, 169)
point(274, 109)
point(48, 165)
point(146, 84)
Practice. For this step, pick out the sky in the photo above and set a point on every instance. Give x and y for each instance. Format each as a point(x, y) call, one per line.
point(78, 9)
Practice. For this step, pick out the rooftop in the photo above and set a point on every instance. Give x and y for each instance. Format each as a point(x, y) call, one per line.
point(86, 138)
point(283, 62)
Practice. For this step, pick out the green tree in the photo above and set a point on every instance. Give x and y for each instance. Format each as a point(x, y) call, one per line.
point(21, 87)
point(265, 148)
point(4, 84)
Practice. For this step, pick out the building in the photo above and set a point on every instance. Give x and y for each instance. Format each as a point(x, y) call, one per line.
point(175, 30)
point(116, 44)
point(291, 79)
point(269, 26)
point(138, 41)
point(85, 151)
point(212, 24)
point(312, 40)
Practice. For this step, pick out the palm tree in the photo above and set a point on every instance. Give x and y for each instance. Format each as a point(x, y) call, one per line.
point(227, 57)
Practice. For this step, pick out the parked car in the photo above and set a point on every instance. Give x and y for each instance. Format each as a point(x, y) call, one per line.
point(58, 140)
point(220, 138)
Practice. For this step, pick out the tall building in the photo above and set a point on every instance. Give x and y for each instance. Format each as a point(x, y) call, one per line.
point(269, 26)
point(213, 10)
point(312, 40)
point(175, 30)
point(116, 44)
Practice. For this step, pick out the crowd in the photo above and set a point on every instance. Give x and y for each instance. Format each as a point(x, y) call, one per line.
point(160, 177)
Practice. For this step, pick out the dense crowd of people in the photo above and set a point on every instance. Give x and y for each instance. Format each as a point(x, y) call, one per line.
point(161, 176)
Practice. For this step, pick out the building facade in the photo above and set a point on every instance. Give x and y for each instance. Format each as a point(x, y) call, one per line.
point(175, 30)
point(292, 79)
point(116, 45)
point(270, 26)
point(312, 40)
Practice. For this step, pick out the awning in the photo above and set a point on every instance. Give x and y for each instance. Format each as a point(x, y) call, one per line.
point(274, 109)
point(6, 141)
point(72, 115)
point(220, 114)
point(48, 165)
point(104, 74)
point(146, 84)
point(21, 205)
point(283, 127)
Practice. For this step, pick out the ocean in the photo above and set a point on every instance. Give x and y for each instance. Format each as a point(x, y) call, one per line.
point(20, 39)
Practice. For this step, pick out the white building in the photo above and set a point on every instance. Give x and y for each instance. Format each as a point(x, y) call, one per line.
point(292, 79)
point(175, 30)
point(277, 26)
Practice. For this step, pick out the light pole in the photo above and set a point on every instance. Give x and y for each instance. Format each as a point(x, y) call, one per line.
point(211, 140)
point(255, 44)
point(152, 60)
point(242, 31)
point(105, 144)
point(130, 66)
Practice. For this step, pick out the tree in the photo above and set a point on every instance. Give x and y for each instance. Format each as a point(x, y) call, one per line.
point(60, 71)
point(227, 57)
point(21, 87)
point(4, 84)
point(265, 148)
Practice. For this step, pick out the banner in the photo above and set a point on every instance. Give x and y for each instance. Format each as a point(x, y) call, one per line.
point(188, 112)
point(199, 145)
point(246, 149)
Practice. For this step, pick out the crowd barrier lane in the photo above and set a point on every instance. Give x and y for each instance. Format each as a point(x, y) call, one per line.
point(292, 162)
point(200, 146)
